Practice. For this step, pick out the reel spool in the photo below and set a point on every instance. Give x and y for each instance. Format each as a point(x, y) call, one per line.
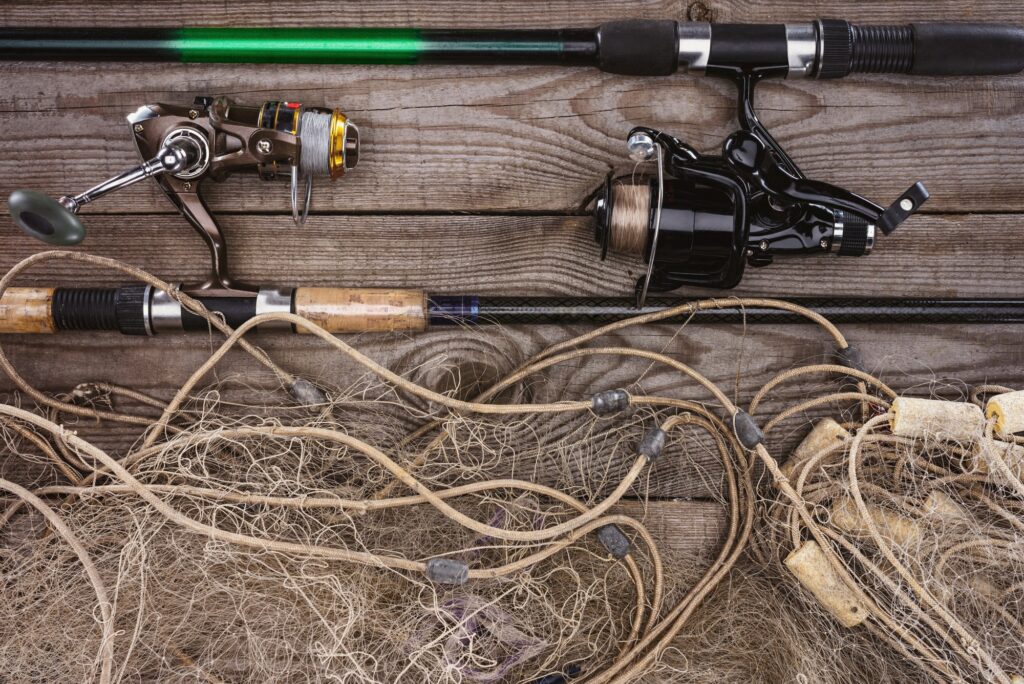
point(704, 218)
point(213, 138)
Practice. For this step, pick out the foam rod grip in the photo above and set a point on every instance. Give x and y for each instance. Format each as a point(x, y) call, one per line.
point(638, 47)
point(959, 49)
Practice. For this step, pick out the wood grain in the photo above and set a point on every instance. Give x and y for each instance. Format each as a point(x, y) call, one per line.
point(689, 528)
point(930, 256)
point(520, 138)
point(942, 359)
point(472, 180)
point(444, 138)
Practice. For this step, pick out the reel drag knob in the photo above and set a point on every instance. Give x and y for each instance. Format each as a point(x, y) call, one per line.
point(44, 218)
point(641, 147)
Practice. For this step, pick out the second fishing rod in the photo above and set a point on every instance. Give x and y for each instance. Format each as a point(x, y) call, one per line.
point(697, 220)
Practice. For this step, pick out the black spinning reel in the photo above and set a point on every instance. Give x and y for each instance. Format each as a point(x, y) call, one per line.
point(715, 214)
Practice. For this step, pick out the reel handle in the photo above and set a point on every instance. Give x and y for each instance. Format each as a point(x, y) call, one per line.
point(56, 222)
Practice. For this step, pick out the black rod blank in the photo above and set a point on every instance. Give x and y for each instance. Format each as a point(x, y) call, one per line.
point(564, 310)
point(822, 49)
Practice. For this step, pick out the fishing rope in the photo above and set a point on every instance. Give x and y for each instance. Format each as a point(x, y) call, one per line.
point(905, 545)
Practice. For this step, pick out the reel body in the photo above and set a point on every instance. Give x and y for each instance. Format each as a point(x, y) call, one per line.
point(706, 217)
point(210, 139)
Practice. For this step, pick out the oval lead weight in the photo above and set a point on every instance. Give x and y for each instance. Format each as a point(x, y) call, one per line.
point(609, 402)
point(447, 571)
point(747, 431)
point(306, 393)
point(614, 541)
point(851, 358)
point(936, 419)
point(1008, 412)
point(652, 444)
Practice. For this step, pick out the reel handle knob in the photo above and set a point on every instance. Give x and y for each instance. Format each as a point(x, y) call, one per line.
point(45, 218)
point(55, 221)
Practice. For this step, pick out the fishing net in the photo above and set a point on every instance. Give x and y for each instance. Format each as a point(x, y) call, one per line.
point(392, 526)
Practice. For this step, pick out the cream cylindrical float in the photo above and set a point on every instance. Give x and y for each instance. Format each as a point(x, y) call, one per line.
point(810, 566)
point(936, 419)
point(826, 433)
point(989, 453)
point(896, 528)
point(1008, 412)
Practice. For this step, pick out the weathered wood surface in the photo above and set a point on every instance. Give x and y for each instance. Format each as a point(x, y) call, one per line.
point(924, 358)
point(518, 138)
point(681, 527)
point(506, 13)
point(472, 180)
point(931, 256)
point(522, 138)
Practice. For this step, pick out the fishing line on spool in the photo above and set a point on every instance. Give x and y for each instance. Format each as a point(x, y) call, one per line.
point(315, 136)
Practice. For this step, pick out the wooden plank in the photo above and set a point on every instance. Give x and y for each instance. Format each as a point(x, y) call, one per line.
point(529, 140)
point(521, 138)
point(326, 12)
point(947, 359)
point(693, 529)
point(524, 255)
point(868, 12)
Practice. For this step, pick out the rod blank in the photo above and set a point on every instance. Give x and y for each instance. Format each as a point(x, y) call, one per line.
point(822, 49)
point(139, 310)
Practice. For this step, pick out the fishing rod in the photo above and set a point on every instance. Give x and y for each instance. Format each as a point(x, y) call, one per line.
point(819, 49)
point(143, 310)
point(698, 221)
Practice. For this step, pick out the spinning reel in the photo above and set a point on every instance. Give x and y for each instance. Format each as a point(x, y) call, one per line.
point(716, 214)
point(213, 138)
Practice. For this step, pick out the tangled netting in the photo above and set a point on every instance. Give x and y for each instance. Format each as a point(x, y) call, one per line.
point(382, 531)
